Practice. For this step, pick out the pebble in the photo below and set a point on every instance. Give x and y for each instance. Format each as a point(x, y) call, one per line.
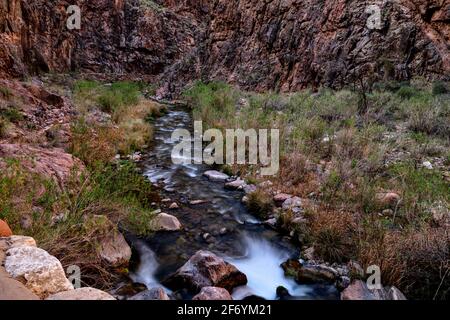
point(174, 206)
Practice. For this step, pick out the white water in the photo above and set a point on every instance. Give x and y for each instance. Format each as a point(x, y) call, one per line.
point(148, 265)
point(262, 267)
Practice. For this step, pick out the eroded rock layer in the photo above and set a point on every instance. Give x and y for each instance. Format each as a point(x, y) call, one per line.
point(278, 44)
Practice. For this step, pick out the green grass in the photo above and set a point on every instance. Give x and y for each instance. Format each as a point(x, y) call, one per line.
point(5, 92)
point(109, 97)
point(421, 188)
point(11, 114)
point(440, 87)
point(119, 94)
point(406, 92)
point(116, 194)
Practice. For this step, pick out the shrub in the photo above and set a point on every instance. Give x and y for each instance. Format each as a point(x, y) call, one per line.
point(92, 204)
point(11, 114)
point(406, 92)
point(109, 101)
point(5, 92)
point(333, 235)
point(260, 204)
point(428, 114)
point(440, 87)
point(3, 127)
point(94, 145)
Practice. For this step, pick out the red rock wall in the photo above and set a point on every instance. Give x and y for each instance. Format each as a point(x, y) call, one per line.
point(277, 44)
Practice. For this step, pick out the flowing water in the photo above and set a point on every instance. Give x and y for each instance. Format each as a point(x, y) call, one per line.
point(221, 225)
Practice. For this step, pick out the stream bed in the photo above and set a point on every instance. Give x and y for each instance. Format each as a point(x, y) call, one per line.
point(221, 225)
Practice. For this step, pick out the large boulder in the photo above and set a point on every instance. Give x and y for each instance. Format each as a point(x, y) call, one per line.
point(358, 290)
point(82, 294)
point(11, 289)
point(51, 163)
point(16, 241)
point(205, 269)
point(13, 242)
point(5, 230)
point(165, 222)
point(42, 273)
point(213, 293)
point(115, 250)
point(152, 294)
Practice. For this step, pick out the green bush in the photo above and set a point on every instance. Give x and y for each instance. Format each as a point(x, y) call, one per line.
point(406, 92)
point(118, 95)
point(84, 86)
point(440, 87)
point(11, 114)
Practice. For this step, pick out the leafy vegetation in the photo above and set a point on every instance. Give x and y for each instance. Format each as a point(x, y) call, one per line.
point(344, 158)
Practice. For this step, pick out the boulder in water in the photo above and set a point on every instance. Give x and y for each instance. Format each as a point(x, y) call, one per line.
point(205, 269)
point(216, 175)
point(238, 184)
point(165, 222)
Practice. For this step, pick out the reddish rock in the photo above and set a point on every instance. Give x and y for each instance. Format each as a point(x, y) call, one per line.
point(260, 45)
point(5, 230)
point(51, 163)
point(205, 269)
point(280, 198)
point(213, 293)
point(357, 290)
point(388, 198)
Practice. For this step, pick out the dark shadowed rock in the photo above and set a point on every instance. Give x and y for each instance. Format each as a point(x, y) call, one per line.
point(309, 273)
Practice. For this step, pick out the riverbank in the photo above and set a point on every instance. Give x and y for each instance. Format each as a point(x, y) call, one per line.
point(363, 175)
point(354, 190)
point(69, 178)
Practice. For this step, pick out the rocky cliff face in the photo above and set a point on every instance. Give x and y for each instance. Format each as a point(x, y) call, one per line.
point(278, 44)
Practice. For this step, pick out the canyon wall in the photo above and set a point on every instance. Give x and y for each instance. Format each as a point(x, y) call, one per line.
point(273, 44)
